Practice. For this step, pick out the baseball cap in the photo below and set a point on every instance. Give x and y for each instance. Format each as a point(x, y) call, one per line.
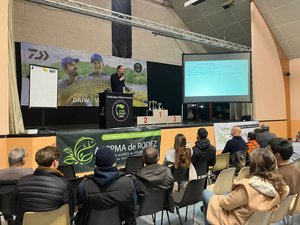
point(67, 60)
point(105, 157)
point(96, 57)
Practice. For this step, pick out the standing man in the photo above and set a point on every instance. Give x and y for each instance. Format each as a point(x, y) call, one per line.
point(45, 189)
point(117, 80)
point(16, 161)
point(69, 66)
point(263, 135)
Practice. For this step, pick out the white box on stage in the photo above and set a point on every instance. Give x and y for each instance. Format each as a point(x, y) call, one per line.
point(144, 120)
point(160, 116)
point(174, 119)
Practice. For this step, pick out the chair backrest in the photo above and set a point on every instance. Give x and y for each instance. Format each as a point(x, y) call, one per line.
point(261, 218)
point(283, 210)
point(201, 167)
point(224, 181)
point(59, 216)
point(222, 162)
point(105, 217)
point(295, 206)
point(243, 173)
point(180, 174)
point(74, 183)
point(297, 163)
point(152, 202)
point(7, 188)
point(134, 163)
point(192, 193)
point(68, 171)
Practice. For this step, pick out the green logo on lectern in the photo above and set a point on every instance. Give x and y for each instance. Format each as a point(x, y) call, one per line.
point(120, 110)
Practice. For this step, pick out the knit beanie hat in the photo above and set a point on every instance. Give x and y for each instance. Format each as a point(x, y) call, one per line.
point(105, 157)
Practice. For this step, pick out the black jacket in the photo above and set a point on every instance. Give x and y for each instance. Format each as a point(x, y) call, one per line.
point(45, 190)
point(105, 189)
point(116, 84)
point(203, 151)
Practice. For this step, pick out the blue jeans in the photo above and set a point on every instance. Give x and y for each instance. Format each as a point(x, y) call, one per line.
point(206, 196)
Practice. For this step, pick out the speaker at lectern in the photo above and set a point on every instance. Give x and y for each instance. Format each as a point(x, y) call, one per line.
point(115, 110)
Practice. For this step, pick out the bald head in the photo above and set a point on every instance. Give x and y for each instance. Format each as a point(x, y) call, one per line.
point(236, 131)
point(265, 126)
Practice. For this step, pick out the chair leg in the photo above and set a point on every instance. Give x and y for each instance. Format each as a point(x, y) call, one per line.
point(168, 217)
point(178, 215)
point(194, 214)
point(162, 217)
point(186, 211)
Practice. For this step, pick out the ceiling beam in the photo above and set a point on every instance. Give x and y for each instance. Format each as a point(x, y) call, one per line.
point(160, 29)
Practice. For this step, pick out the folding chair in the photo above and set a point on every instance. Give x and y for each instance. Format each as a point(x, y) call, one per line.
point(244, 172)
point(190, 196)
point(59, 216)
point(283, 210)
point(152, 203)
point(7, 188)
point(180, 174)
point(261, 218)
point(224, 182)
point(68, 171)
point(134, 163)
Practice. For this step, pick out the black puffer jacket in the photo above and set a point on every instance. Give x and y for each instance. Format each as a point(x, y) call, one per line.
point(203, 151)
point(45, 190)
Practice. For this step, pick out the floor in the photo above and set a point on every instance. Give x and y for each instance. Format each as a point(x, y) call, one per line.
point(147, 220)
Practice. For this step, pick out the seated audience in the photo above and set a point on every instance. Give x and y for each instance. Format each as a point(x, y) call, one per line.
point(153, 176)
point(261, 191)
point(16, 161)
point(252, 144)
point(283, 150)
point(180, 155)
point(263, 135)
point(45, 189)
point(105, 189)
point(237, 148)
point(296, 148)
point(203, 150)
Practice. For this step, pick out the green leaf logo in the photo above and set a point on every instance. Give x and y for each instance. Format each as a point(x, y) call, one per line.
point(82, 153)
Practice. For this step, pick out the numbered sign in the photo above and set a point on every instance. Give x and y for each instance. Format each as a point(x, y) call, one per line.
point(144, 120)
point(174, 119)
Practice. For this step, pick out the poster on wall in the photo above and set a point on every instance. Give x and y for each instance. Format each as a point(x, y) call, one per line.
point(82, 75)
point(223, 130)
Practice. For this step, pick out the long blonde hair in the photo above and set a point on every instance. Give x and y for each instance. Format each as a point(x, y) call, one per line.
point(182, 153)
point(264, 165)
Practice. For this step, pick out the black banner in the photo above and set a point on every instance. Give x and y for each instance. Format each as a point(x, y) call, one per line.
point(78, 147)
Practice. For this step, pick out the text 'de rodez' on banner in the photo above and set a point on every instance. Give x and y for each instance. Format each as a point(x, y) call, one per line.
point(79, 147)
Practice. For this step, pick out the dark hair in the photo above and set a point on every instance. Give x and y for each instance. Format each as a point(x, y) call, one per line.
point(264, 165)
point(46, 156)
point(251, 136)
point(119, 66)
point(150, 155)
point(281, 146)
point(202, 133)
point(182, 154)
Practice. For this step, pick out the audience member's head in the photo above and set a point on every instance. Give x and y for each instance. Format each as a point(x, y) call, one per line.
point(281, 148)
point(180, 141)
point(182, 153)
point(16, 157)
point(263, 164)
point(202, 133)
point(236, 131)
point(264, 127)
point(150, 155)
point(251, 136)
point(48, 157)
point(105, 157)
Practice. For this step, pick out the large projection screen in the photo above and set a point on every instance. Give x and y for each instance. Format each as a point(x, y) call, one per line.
point(222, 77)
point(43, 87)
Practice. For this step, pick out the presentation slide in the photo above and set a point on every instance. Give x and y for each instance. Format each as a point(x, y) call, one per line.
point(217, 78)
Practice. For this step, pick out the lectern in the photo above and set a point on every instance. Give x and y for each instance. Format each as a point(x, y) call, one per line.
point(115, 110)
